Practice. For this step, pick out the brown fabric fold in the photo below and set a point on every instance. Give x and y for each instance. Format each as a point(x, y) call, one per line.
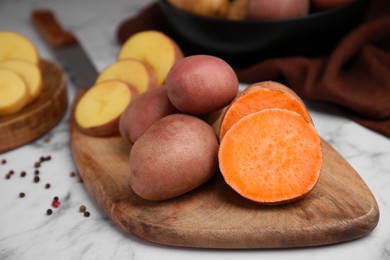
point(355, 75)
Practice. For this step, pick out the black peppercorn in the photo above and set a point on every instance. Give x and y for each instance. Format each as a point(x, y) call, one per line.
point(36, 179)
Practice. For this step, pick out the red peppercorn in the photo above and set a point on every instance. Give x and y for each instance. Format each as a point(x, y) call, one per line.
point(56, 203)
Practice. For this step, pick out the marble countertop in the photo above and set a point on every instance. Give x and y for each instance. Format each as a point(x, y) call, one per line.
point(27, 232)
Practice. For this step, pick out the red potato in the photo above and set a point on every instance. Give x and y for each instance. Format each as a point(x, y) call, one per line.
point(175, 155)
point(320, 5)
point(277, 9)
point(201, 84)
point(143, 111)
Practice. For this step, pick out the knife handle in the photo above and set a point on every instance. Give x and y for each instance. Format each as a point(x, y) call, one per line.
point(47, 24)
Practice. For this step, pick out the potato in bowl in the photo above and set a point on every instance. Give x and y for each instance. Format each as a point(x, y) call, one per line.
point(256, 39)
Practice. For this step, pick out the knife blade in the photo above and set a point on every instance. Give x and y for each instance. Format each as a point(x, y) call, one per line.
point(66, 48)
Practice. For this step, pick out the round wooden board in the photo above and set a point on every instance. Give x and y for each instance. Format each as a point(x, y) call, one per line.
point(340, 208)
point(41, 115)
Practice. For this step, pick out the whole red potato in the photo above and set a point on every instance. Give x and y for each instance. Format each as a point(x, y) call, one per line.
point(143, 112)
point(201, 84)
point(277, 9)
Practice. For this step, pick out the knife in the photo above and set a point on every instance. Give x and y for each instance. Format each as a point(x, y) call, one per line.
point(66, 48)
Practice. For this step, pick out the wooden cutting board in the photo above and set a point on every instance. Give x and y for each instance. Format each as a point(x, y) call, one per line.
point(340, 208)
point(41, 115)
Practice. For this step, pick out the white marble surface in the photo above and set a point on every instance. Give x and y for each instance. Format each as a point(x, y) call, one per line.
point(26, 232)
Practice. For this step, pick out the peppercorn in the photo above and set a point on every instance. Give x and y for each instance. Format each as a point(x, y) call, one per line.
point(3, 161)
point(82, 208)
point(21, 195)
point(56, 203)
point(49, 211)
point(87, 214)
point(36, 179)
point(37, 164)
point(23, 174)
point(47, 185)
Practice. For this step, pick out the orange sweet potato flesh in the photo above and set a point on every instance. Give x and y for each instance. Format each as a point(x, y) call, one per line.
point(258, 96)
point(272, 156)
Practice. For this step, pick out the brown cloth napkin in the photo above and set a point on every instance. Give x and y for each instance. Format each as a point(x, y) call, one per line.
point(355, 74)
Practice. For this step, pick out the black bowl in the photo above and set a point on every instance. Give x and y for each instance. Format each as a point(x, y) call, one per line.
point(246, 40)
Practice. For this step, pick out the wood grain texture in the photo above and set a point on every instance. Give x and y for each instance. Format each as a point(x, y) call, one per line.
point(41, 115)
point(340, 208)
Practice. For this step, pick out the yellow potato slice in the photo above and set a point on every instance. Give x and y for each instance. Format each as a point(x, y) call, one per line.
point(99, 109)
point(132, 71)
point(29, 72)
point(13, 92)
point(15, 46)
point(154, 48)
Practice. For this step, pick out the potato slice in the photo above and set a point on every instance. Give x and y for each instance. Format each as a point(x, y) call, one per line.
point(98, 111)
point(132, 71)
point(13, 92)
point(29, 72)
point(154, 48)
point(16, 46)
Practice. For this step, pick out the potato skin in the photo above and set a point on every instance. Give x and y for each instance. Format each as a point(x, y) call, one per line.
point(277, 9)
point(177, 154)
point(143, 111)
point(201, 84)
point(320, 5)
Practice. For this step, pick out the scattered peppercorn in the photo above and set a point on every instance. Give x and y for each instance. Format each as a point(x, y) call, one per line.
point(37, 164)
point(56, 203)
point(72, 174)
point(22, 174)
point(11, 172)
point(47, 185)
point(48, 158)
point(36, 179)
point(8, 176)
point(3, 161)
point(49, 211)
point(56, 198)
point(87, 214)
point(36, 172)
point(82, 208)
point(21, 195)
